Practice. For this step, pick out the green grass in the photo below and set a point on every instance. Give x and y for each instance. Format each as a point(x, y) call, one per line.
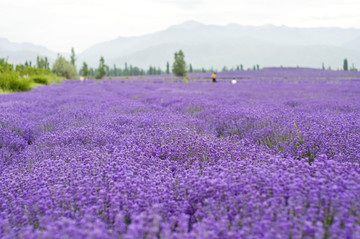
point(3, 92)
point(34, 85)
point(54, 79)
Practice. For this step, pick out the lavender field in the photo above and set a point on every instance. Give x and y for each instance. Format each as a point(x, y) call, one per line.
point(276, 155)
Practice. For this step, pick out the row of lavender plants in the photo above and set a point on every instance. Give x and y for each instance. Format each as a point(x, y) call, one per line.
point(270, 157)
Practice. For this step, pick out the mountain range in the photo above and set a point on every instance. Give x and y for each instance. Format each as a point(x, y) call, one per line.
point(215, 46)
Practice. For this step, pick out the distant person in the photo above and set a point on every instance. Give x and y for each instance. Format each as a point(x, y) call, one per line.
point(213, 76)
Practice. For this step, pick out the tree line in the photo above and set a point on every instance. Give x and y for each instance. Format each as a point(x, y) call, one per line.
point(41, 71)
point(127, 70)
point(178, 68)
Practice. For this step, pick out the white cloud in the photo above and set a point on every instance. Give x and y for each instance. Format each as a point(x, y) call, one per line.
point(185, 4)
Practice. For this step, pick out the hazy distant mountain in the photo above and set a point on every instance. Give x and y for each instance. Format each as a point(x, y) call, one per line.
point(215, 46)
point(231, 45)
point(248, 54)
point(353, 44)
point(18, 53)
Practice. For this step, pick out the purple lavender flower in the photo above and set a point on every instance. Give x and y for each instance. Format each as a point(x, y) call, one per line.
point(274, 156)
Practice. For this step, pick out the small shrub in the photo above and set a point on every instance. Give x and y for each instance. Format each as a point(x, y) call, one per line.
point(20, 84)
point(4, 80)
point(40, 80)
point(10, 82)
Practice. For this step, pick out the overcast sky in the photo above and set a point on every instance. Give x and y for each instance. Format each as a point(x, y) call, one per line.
point(62, 24)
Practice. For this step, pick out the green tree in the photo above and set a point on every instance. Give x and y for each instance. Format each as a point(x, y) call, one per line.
point(101, 70)
point(72, 57)
point(345, 65)
point(131, 70)
point(64, 68)
point(179, 65)
point(5, 67)
point(38, 63)
point(353, 68)
point(42, 63)
point(167, 68)
point(47, 65)
point(115, 71)
point(190, 69)
point(84, 71)
point(126, 70)
point(150, 71)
